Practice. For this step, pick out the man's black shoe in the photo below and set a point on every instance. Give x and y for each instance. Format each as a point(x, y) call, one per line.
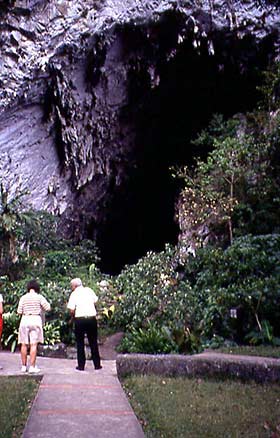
point(98, 368)
point(80, 369)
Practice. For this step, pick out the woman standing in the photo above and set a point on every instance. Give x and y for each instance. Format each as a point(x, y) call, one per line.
point(30, 334)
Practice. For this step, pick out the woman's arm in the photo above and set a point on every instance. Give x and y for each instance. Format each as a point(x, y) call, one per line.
point(1, 308)
point(20, 306)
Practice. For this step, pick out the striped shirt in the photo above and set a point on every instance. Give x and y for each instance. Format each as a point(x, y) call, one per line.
point(32, 303)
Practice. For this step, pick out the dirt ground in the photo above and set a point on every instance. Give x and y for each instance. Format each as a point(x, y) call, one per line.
point(108, 347)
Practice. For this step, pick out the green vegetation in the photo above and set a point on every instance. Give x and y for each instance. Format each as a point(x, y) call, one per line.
point(10, 218)
point(42, 254)
point(218, 287)
point(218, 186)
point(54, 268)
point(197, 305)
point(16, 397)
point(178, 407)
point(221, 283)
point(245, 350)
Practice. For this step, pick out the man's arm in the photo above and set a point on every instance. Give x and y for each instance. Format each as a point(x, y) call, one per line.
point(72, 316)
point(71, 306)
point(95, 297)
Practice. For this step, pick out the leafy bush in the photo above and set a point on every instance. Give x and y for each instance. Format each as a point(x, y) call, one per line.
point(54, 269)
point(152, 295)
point(86, 252)
point(263, 336)
point(66, 261)
point(58, 262)
point(186, 341)
point(10, 330)
point(147, 290)
point(52, 333)
point(150, 340)
point(244, 278)
point(38, 232)
point(216, 296)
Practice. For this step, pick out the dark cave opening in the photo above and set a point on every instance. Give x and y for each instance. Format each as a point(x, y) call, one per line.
point(193, 86)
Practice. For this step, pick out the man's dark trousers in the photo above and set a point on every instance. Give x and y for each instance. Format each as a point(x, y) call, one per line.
point(87, 326)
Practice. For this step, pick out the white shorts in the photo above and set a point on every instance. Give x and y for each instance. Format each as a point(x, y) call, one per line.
point(30, 330)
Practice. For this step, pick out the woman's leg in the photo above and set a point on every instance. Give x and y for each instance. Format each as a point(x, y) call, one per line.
point(33, 354)
point(23, 353)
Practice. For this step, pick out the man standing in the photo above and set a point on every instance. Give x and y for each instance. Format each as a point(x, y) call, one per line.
point(82, 308)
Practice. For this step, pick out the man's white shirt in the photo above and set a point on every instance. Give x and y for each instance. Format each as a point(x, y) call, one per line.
point(82, 301)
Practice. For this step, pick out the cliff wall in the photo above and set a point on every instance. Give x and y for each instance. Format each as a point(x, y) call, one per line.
point(99, 98)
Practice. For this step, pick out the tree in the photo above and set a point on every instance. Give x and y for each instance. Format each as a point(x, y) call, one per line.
point(10, 215)
point(215, 186)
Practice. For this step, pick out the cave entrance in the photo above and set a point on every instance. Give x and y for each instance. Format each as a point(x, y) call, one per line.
point(193, 86)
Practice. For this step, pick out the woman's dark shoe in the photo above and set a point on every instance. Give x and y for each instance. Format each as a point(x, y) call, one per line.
point(80, 368)
point(98, 368)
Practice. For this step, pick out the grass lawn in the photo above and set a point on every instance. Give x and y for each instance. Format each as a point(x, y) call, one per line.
point(16, 397)
point(197, 408)
point(261, 350)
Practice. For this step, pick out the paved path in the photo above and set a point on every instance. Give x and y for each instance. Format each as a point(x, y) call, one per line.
point(72, 403)
point(92, 404)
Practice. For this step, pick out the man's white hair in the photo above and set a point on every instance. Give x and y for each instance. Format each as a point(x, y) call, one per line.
point(76, 282)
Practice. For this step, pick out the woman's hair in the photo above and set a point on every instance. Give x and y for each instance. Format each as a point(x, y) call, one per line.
point(33, 284)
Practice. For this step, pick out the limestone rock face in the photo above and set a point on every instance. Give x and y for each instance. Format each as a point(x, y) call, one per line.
point(80, 81)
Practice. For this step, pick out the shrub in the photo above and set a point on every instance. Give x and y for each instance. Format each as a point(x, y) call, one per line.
point(52, 334)
point(65, 262)
point(38, 232)
point(54, 277)
point(152, 295)
point(263, 336)
point(148, 291)
point(10, 330)
point(152, 340)
point(217, 295)
point(58, 263)
point(245, 278)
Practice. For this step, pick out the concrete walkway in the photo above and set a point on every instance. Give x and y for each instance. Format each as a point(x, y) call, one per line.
point(72, 403)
